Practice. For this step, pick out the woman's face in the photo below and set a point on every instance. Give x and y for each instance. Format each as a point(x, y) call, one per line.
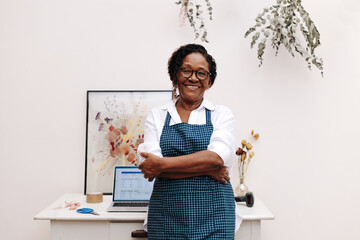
point(191, 89)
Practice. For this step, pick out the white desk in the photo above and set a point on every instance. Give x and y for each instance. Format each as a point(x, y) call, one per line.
point(67, 224)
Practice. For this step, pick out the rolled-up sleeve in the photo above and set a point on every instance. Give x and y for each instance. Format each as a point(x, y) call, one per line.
point(223, 141)
point(151, 139)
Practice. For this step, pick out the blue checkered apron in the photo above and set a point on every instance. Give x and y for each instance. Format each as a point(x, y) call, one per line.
point(190, 208)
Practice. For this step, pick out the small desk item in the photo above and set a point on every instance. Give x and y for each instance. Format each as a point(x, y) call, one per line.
point(94, 197)
point(87, 211)
point(248, 198)
point(139, 234)
point(131, 191)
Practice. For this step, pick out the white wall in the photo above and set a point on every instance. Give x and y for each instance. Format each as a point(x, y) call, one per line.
point(306, 163)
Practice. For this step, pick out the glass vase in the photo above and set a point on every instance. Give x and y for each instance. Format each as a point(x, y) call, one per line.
point(241, 189)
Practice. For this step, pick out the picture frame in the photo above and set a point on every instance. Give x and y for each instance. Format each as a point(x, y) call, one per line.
point(115, 124)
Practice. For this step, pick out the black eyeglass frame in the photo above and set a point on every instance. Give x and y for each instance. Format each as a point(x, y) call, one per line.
point(196, 73)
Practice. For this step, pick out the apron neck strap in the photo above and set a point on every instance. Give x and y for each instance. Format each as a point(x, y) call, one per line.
point(208, 116)
point(167, 120)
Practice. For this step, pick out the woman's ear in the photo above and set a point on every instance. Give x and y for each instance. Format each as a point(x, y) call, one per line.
point(175, 93)
point(209, 85)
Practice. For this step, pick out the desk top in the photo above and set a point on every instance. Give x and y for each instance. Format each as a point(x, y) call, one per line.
point(257, 212)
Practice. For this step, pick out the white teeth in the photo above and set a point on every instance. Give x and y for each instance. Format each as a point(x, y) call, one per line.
point(193, 87)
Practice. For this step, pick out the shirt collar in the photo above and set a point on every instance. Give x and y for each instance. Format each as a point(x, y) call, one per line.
point(208, 105)
point(204, 104)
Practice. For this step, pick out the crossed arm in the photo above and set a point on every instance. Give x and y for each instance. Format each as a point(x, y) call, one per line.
point(196, 164)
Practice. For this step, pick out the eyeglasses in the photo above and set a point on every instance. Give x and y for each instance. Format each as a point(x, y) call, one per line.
point(200, 74)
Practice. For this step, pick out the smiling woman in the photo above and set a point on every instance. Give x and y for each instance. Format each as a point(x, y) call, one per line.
point(188, 149)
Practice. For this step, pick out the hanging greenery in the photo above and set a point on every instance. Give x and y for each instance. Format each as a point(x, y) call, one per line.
point(282, 22)
point(193, 11)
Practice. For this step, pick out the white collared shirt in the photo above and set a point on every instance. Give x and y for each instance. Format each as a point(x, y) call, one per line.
point(222, 140)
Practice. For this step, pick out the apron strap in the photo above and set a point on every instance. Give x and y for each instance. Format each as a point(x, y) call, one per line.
point(208, 116)
point(167, 120)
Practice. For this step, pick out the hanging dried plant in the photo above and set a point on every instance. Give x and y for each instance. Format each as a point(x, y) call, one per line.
point(191, 10)
point(283, 21)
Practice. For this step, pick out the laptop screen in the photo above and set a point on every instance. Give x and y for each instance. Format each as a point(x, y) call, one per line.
point(130, 185)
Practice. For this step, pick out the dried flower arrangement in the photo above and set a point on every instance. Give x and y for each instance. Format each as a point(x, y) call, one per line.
point(192, 10)
point(244, 152)
point(283, 20)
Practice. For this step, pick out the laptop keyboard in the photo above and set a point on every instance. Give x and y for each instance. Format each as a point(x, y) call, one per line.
point(130, 204)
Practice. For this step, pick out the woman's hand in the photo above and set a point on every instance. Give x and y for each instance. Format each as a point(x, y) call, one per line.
point(221, 174)
point(151, 167)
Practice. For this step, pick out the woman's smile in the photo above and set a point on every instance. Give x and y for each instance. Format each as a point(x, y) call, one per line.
point(192, 87)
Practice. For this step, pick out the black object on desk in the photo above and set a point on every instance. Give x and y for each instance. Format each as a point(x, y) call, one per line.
point(248, 198)
point(139, 234)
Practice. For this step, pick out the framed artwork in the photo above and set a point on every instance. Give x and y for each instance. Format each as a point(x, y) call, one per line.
point(114, 129)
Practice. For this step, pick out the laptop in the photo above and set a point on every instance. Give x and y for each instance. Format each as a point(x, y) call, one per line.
point(131, 191)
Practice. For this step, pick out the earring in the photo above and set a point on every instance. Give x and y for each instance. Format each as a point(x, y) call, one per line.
point(174, 92)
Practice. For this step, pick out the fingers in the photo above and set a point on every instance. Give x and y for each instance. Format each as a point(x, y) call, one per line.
point(226, 177)
point(223, 180)
point(144, 154)
point(149, 178)
point(146, 176)
point(221, 175)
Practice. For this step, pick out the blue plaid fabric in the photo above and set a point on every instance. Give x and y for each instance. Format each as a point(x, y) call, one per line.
point(192, 208)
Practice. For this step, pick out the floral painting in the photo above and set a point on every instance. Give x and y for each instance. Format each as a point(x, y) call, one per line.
point(115, 129)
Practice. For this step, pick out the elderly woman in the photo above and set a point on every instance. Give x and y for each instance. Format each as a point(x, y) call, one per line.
point(188, 150)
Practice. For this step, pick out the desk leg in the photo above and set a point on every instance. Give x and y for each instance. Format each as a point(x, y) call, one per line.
point(79, 230)
point(249, 230)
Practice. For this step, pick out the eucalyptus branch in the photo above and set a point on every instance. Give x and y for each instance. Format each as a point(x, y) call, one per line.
point(194, 13)
point(283, 21)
